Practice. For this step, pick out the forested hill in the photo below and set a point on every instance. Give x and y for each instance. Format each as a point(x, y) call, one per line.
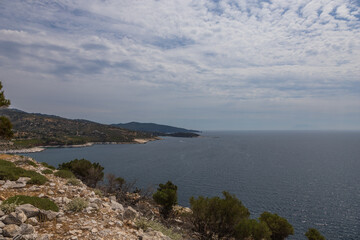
point(157, 129)
point(34, 129)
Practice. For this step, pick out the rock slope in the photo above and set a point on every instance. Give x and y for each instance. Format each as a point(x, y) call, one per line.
point(103, 218)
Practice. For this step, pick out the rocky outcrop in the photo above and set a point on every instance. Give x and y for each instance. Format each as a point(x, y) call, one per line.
point(102, 218)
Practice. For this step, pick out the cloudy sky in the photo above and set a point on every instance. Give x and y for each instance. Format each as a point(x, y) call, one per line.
point(245, 64)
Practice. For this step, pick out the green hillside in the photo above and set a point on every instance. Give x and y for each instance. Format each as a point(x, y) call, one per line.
point(33, 129)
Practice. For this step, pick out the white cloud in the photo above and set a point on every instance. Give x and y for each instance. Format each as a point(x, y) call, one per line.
point(229, 50)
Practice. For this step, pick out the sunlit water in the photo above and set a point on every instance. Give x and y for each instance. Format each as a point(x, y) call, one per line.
point(310, 178)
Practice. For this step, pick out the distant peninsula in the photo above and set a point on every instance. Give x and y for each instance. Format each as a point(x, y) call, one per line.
point(158, 129)
point(35, 129)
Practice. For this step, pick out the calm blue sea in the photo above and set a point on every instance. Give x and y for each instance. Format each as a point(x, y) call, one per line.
point(311, 178)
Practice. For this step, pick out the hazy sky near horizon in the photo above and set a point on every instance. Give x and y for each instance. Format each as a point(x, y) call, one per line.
point(201, 64)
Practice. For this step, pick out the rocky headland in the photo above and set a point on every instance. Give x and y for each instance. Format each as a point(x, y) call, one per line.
point(82, 212)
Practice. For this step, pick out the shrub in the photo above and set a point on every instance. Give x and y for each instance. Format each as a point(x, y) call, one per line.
point(166, 196)
point(89, 173)
point(48, 166)
point(41, 203)
point(64, 174)
point(77, 205)
point(113, 184)
point(98, 192)
point(8, 171)
point(217, 217)
point(314, 234)
point(47, 171)
point(74, 182)
point(8, 207)
point(252, 229)
point(156, 226)
point(5, 127)
point(27, 162)
point(280, 228)
point(36, 178)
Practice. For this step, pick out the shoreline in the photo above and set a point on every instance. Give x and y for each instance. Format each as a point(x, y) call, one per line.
point(89, 144)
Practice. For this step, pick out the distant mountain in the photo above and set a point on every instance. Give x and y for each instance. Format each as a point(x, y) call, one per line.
point(158, 129)
point(35, 129)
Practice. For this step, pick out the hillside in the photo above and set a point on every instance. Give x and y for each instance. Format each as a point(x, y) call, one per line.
point(65, 208)
point(33, 129)
point(158, 129)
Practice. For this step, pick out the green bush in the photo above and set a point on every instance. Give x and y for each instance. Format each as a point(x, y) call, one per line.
point(314, 234)
point(8, 171)
point(4, 163)
point(41, 203)
point(156, 226)
point(26, 162)
point(77, 205)
point(252, 229)
point(47, 171)
point(280, 228)
point(64, 174)
point(89, 173)
point(74, 182)
point(98, 192)
point(166, 196)
point(48, 166)
point(36, 178)
point(217, 217)
point(8, 207)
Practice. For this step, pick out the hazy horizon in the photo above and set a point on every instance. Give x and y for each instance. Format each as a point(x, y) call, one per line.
point(208, 64)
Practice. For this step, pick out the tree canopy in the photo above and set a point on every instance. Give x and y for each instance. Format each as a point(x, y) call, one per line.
point(3, 101)
point(279, 226)
point(5, 124)
point(314, 234)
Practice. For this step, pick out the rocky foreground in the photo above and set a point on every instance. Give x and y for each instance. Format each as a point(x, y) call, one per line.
point(103, 218)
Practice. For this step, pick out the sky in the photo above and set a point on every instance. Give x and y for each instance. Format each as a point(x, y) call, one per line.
point(200, 64)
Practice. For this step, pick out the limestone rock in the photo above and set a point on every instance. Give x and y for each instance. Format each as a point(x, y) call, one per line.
point(50, 215)
point(17, 217)
point(116, 206)
point(130, 214)
point(2, 224)
point(29, 210)
point(11, 230)
point(33, 221)
point(26, 229)
point(1, 213)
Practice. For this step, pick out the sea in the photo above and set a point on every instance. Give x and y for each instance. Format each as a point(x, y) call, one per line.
point(311, 178)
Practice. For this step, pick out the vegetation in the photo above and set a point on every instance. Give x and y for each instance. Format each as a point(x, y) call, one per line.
point(5, 124)
point(166, 196)
point(252, 229)
point(314, 234)
point(74, 182)
point(77, 205)
point(89, 173)
point(9, 171)
point(8, 207)
point(156, 129)
point(64, 174)
point(5, 128)
point(41, 203)
point(3, 101)
point(26, 162)
point(98, 192)
point(280, 227)
point(47, 171)
point(47, 165)
point(156, 226)
point(47, 130)
point(217, 217)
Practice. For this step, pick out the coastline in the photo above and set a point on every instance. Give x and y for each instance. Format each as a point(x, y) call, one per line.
point(89, 144)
